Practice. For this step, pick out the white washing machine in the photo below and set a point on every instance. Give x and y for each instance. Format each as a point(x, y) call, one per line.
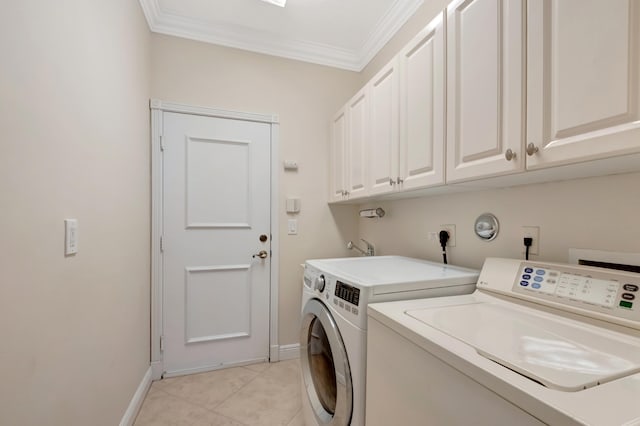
point(333, 336)
point(536, 343)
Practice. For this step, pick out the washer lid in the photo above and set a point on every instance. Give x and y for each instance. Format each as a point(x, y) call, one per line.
point(557, 352)
point(388, 273)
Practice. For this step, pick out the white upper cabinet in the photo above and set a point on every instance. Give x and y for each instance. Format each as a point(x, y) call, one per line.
point(356, 144)
point(583, 73)
point(485, 88)
point(422, 108)
point(383, 148)
point(337, 153)
point(407, 116)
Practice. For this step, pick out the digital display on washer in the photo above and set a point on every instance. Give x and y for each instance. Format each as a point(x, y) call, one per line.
point(347, 293)
point(565, 285)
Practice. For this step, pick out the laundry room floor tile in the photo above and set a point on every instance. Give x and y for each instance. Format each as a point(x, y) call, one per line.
point(258, 394)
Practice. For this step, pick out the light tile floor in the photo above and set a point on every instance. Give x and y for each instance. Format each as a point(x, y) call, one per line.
point(258, 394)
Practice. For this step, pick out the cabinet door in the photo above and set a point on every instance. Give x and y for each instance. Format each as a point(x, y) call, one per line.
point(357, 131)
point(485, 88)
point(583, 80)
point(382, 152)
point(422, 105)
point(337, 154)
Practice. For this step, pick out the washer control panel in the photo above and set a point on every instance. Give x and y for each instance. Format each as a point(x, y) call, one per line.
point(347, 293)
point(600, 291)
point(330, 290)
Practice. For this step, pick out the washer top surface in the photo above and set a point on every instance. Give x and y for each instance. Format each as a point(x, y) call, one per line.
point(565, 357)
point(560, 353)
point(388, 270)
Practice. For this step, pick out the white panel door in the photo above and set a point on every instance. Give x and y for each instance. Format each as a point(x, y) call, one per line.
point(382, 151)
point(583, 80)
point(216, 205)
point(337, 153)
point(422, 94)
point(357, 140)
point(485, 88)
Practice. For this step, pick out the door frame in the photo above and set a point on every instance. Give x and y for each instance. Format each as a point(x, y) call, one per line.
point(158, 107)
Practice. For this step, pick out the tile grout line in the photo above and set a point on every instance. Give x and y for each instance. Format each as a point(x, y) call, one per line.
point(258, 374)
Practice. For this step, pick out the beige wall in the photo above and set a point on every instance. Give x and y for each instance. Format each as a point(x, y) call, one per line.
point(304, 96)
point(75, 144)
point(599, 213)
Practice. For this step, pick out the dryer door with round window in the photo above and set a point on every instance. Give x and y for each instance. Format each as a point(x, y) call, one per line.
point(325, 367)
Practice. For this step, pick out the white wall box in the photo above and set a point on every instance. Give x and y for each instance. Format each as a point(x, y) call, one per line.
point(583, 80)
point(485, 88)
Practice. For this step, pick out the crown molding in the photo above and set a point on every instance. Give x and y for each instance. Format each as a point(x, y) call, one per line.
point(267, 43)
point(388, 26)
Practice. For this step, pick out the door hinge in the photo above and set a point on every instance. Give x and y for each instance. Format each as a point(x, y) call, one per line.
point(161, 143)
point(161, 244)
point(161, 343)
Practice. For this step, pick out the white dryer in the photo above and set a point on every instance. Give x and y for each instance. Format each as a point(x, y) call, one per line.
point(333, 336)
point(537, 343)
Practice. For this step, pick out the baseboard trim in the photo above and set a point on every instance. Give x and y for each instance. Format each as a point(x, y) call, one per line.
point(289, 351)
point(137, 400)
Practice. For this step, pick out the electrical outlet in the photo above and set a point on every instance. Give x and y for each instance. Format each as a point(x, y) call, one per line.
point(531, 232)
point(451, 229)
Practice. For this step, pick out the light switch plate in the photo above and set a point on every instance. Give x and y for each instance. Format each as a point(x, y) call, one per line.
point(70, 236)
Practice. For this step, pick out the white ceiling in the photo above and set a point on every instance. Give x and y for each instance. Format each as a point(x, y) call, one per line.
point(339, 33)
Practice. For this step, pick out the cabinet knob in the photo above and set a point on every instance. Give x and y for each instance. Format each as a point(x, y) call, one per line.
point(531, 149)
point(399, 180)
point(509, 155)
point(392, 182)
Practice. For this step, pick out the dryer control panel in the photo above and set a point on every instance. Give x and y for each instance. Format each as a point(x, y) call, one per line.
point(597, 292)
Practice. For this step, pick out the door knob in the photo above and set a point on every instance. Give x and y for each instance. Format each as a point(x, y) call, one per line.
point(262, 254)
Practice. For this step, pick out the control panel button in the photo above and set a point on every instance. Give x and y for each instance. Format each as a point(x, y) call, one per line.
point(540, 272)
point(626, 304)
point(347, 308)
point(524, 283)
point(528, 270)
point(526, 277)
point(354, 311)
point(538, 279)
point(341, 304)
point(535, 285)
point(628, 296)
point(630, 287)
